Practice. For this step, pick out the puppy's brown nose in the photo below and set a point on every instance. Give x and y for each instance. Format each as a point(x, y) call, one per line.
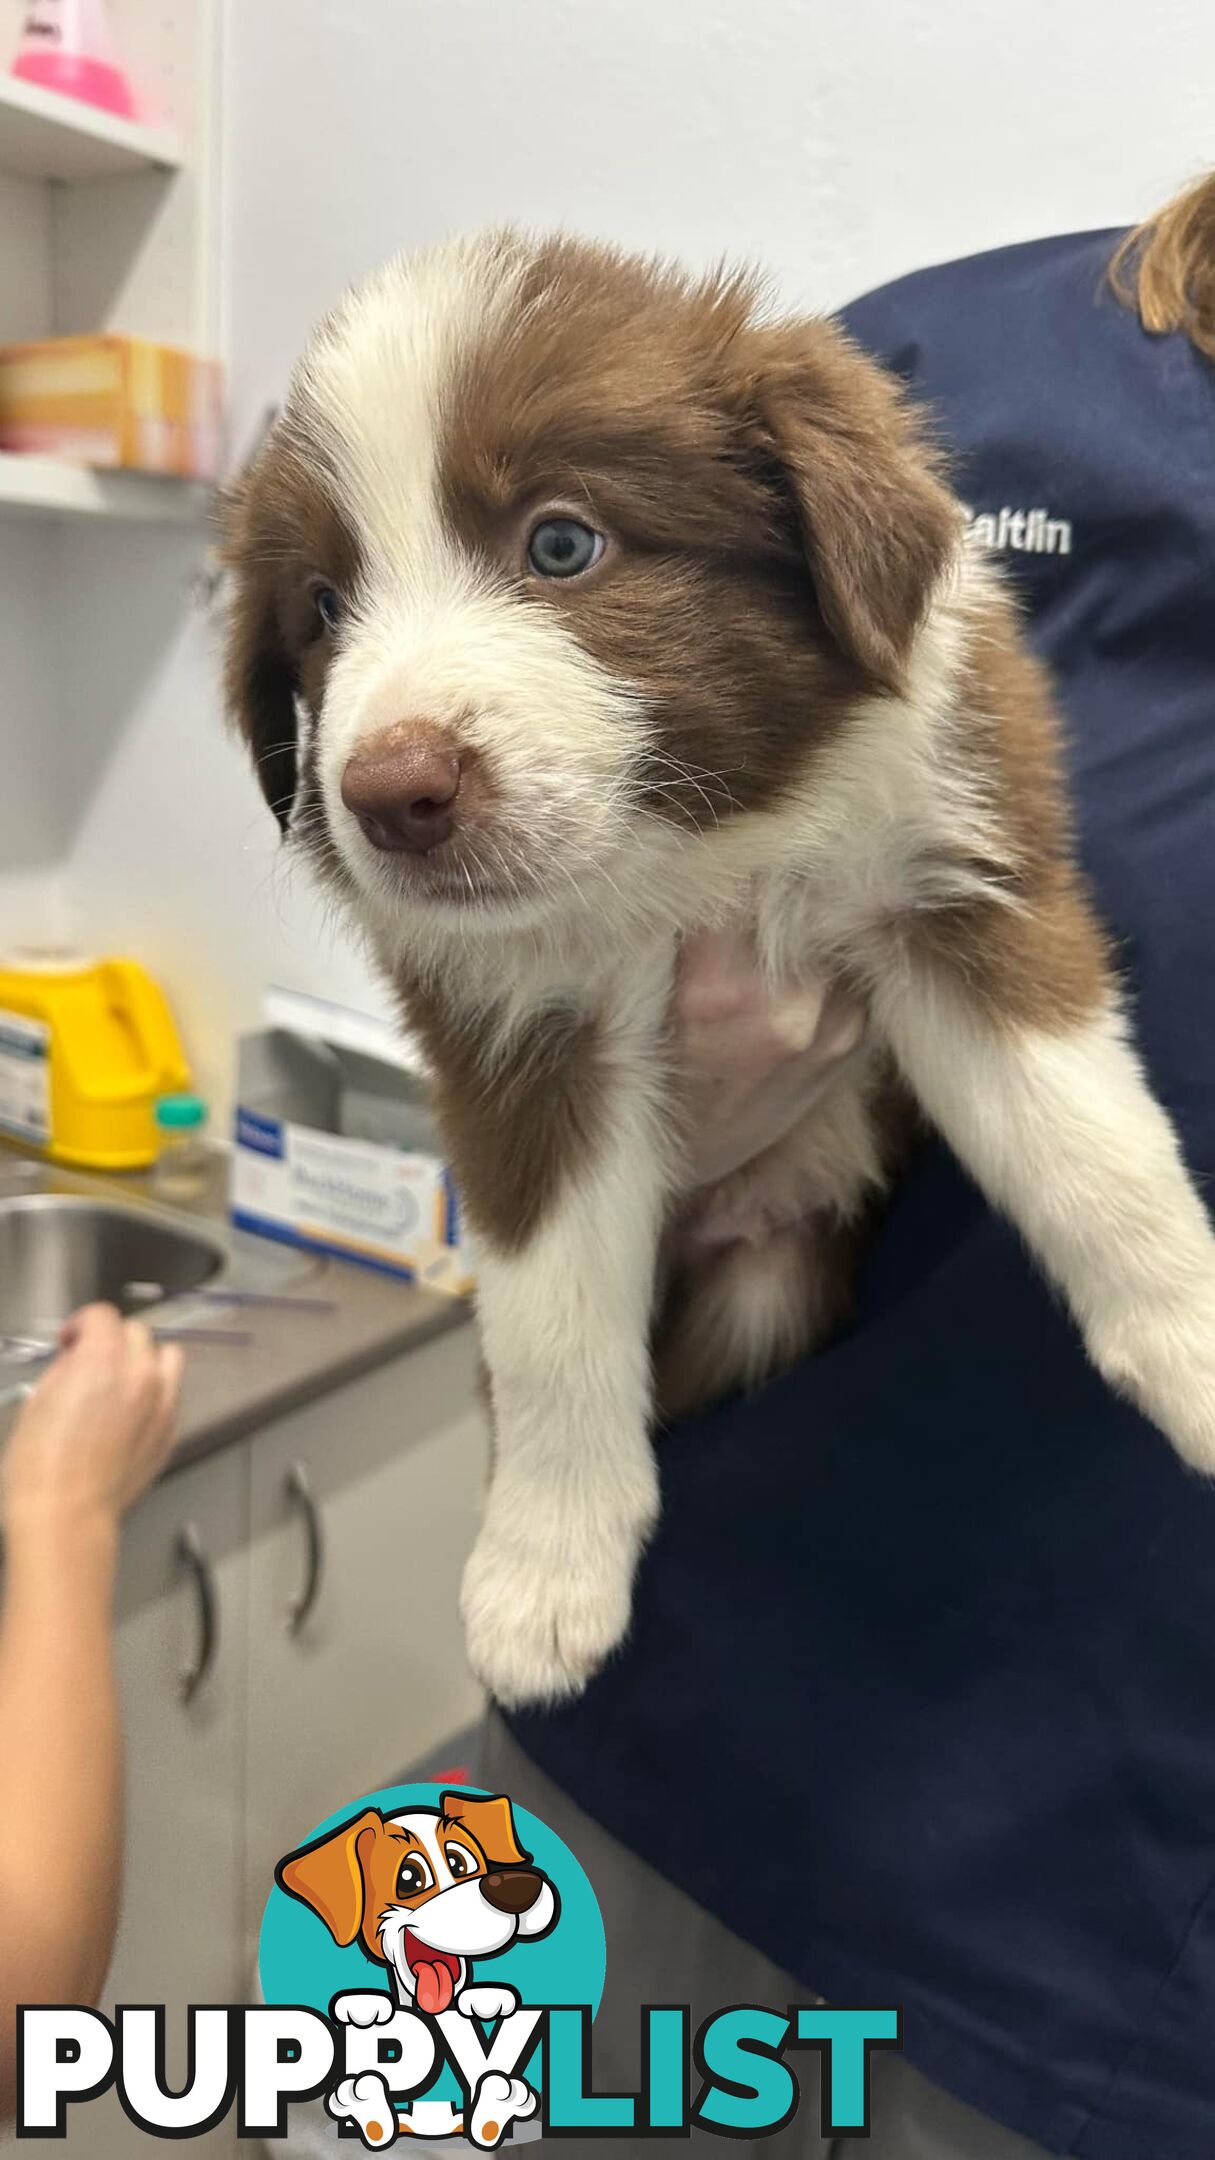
point(513, 1891)
point(402, 789)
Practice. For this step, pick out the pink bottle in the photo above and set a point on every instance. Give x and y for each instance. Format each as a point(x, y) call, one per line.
point(67, 45)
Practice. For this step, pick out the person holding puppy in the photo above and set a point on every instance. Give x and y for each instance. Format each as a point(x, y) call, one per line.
point(919, 1704)
point(89, 1441)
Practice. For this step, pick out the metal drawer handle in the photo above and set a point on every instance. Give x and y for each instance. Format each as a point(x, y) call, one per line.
point(298, 1490)
point(190, 1555)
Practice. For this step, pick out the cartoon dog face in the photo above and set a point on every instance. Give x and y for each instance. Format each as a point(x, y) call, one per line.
point(425, 1891)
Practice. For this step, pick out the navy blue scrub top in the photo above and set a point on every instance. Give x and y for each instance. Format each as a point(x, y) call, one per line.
point(921, 1693)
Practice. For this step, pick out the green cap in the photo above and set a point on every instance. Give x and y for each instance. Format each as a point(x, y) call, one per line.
point(181, 1113)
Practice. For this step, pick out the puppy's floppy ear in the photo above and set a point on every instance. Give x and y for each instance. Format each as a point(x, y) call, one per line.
point(491, 1823)
point(877, 525)
point(259, 680)
point(329, 1875)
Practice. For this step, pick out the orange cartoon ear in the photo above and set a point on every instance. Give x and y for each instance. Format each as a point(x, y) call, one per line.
point(328, 1876)
point(492, 1824)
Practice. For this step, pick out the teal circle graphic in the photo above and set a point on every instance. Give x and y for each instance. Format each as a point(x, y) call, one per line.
point(299, 1961)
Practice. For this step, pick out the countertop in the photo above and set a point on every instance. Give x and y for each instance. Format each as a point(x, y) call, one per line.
point(291, 1357)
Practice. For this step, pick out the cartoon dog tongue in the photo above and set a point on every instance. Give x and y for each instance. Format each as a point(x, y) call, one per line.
point(434, 1973)
point(434, 1987)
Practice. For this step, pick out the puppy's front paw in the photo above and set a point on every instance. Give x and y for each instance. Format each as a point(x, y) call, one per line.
point(1163, 1358)
point(487, 2003)
point(539, 1621)
point(367, 2103)
point(363, 2007)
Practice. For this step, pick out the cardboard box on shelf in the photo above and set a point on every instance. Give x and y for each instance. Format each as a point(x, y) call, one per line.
point(336, 1149)
point(113, 402)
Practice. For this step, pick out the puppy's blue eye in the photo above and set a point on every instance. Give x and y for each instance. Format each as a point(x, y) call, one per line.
point(563, 548)
point(329, 605)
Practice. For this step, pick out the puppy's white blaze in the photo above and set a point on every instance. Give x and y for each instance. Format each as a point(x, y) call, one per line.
point(446, 642)
point(438, 635)
point(1062, 1133)
point(374, 377)
point(557, 731)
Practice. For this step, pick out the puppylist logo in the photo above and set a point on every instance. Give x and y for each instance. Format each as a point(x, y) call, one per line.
point(431, 1965)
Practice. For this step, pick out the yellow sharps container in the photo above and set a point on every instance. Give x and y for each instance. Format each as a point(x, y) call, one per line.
point(86, 1049)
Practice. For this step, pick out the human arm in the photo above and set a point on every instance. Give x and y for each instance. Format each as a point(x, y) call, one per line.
point(88, 1442)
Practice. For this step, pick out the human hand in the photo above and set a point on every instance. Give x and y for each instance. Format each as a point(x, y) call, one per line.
point(98, 1426)
point(751, 1063)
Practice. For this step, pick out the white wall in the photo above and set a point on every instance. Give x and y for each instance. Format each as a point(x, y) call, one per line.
point(841, 142)
point(33, 831)
point(172, 855)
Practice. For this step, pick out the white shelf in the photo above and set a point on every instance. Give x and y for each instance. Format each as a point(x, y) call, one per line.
point(46, 486)
point(45, 136)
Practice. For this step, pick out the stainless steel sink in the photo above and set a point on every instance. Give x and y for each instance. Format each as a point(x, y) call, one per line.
point(66, 1240)
point(58, 1252)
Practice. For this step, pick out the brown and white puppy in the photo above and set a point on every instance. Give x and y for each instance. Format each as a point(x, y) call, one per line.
point(579, 603)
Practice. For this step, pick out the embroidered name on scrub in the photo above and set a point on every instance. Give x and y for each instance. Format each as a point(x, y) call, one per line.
point(1023, 532)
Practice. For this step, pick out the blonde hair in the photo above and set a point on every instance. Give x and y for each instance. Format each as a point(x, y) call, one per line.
point(1165, 269)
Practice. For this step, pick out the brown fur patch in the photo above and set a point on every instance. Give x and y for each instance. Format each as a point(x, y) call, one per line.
point(1044, 961)
point(518, 1123)
point(878, 525)
point(282, 532)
